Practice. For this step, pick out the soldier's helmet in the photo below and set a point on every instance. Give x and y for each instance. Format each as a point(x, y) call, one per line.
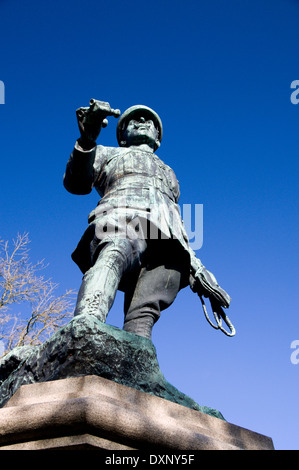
point(135, 111)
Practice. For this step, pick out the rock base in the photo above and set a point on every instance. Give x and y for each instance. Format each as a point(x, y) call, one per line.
point(86, 346)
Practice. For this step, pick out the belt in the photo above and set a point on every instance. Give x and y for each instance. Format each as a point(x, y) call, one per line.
point(131, 181)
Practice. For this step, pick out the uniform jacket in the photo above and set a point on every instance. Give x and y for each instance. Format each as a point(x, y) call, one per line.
point(136, 187)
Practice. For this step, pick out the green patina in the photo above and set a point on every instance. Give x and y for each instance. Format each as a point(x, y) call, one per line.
point(86, 346)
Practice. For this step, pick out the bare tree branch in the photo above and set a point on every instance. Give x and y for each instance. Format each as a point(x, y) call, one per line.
point(21, 283)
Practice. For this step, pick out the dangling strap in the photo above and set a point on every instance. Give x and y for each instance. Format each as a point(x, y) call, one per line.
point(219, 315)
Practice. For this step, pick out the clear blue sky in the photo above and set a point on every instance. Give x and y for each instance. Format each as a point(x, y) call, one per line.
point(218, 72)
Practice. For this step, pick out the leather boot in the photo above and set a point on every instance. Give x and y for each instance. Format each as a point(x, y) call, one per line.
point(141, 326)
point(101, 281)
point(97, 292)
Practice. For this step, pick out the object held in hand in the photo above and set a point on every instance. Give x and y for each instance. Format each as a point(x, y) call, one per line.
point(91, 119)
point(97, 109)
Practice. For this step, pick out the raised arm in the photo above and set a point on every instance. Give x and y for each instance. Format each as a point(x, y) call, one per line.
point(80, 175)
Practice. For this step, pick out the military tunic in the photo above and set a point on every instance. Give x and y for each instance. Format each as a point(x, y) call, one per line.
point(139, 196)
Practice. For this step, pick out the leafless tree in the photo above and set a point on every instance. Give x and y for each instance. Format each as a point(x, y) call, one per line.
point(22, 283)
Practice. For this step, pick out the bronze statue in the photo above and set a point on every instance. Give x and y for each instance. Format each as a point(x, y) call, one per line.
point(135, 240)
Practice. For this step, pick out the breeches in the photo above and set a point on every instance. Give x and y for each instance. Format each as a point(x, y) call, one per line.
point(148, 274)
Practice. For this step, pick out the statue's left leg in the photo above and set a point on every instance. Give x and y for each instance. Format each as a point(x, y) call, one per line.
point(101, 281)
point(155, 290)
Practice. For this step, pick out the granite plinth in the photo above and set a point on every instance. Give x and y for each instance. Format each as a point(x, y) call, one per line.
point(98, 414)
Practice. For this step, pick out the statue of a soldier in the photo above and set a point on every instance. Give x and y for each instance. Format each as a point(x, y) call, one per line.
point(135, 241)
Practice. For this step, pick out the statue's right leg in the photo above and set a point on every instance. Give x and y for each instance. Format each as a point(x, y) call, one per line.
point(155, 291)
point(101, 281)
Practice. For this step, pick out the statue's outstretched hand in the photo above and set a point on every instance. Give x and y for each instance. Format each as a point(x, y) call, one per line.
point(91, 119)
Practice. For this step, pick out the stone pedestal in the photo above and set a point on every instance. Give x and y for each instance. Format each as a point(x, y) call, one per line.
point(91, 412)
point(86, 346)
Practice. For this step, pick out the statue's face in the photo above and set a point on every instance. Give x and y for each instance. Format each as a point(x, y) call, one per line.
point(140, 131)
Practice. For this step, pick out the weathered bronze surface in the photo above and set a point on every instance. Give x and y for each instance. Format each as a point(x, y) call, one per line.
point(135, 240)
